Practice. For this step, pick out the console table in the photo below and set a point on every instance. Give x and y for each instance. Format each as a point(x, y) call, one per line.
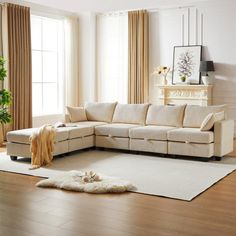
point(185, 94)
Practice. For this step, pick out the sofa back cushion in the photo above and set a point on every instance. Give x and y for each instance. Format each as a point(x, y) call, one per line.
point(165, 115)
point(130, 113)
point(100, 111)
point(194, 114)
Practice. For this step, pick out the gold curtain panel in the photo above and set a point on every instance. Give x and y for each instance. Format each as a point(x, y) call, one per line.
point(20, 72)
point(138, 86)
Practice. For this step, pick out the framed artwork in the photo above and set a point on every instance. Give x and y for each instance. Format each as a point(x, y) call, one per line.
point(186, 62)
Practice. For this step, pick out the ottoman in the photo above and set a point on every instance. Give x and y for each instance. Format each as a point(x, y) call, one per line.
point(67, 139)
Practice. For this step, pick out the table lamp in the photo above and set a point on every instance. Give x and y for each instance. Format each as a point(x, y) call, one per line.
point(205, 67)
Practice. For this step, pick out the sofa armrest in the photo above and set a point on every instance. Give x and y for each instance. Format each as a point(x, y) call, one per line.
point(224, 137)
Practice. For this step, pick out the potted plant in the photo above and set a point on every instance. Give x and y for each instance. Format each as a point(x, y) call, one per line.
point(5, 98)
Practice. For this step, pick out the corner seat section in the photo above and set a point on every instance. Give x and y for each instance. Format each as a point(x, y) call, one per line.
point(115, 135)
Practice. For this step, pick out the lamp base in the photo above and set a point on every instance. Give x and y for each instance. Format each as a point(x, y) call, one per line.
point(207, 80)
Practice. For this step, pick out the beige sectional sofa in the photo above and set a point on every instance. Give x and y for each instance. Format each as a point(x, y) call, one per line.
point(187, 130)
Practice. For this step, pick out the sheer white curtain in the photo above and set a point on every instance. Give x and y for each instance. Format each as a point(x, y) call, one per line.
point(72, 61)
point(112, 57)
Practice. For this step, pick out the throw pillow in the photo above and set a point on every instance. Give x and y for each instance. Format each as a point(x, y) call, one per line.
point(219, 116)
point(77, 114)
point(208, 122)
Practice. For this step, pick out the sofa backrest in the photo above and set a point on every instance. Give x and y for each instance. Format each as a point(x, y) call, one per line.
point(100, 111)
point(165, 115)
point(130, 113)
point(194, 114)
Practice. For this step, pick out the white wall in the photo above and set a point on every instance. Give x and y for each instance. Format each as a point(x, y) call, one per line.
point(209, 24)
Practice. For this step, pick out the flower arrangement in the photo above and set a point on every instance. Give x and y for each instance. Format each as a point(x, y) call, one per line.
point(162, 71)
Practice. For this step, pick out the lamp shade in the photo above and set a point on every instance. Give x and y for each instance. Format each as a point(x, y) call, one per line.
point(206, 66)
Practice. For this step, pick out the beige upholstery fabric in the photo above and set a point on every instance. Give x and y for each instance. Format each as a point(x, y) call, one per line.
point(80, 131)
point(112, 142)
point(191, 135)
point(208, 122)
point(165, 115)
point(219, 116)
point(22, 136)
point(194, 115)
point(88, 123)
point(64, 133)
point(114, 130)
point(130, 113)
point(224, 137)
point(23, 150)
point(99, 111)
point(77, 114)
point(150, 132)
point(191, 149)
point(148, 146)
point(210, 119)
point(80, 143)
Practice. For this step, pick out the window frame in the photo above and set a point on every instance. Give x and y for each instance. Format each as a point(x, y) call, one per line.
point(60, 54)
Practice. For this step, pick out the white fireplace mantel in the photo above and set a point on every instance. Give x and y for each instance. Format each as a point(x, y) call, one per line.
point(185, 94)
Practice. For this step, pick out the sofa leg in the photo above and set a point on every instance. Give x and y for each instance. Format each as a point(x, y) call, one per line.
point(218, 158)
point(204, 159)
point(13, 158)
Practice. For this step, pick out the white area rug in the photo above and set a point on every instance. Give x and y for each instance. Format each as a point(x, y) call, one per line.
point(174, 178)
point(72, 180)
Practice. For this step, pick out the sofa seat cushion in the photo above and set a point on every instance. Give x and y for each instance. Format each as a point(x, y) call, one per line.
point(80, 131)
point(116, 130)
point(23, 135)
point(150, 132)
point(87, 123)
point(190, 135)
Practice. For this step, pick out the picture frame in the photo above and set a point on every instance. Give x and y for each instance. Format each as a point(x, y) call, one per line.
point(186, 62)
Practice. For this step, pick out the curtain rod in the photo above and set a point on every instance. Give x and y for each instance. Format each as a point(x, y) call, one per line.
point(148, 9)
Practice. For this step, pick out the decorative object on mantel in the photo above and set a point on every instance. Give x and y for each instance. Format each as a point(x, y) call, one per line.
point(186, 61)
point(185, 94)
point(205, 67)
point(163, 72)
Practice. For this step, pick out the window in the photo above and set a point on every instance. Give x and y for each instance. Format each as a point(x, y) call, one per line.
point(47, 65)
point(112, 57)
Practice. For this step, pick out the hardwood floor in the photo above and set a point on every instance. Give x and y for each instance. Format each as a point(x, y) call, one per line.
point(27, 210)
point(233, 154)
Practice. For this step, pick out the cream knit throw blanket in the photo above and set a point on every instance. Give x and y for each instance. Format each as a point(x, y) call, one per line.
point(42, 146)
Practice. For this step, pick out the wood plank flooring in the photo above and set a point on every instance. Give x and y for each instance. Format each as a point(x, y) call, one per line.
point(26, 210)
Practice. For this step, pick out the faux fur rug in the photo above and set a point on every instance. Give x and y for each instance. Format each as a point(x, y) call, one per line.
point(72, 181)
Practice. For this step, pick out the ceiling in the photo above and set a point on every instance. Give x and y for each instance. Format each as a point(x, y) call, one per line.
point(109, 5)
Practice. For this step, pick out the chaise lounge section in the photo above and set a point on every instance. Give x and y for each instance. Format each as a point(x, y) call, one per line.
point(186, 130)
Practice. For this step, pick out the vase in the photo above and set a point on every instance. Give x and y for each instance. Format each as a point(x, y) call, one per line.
point(164, 80)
